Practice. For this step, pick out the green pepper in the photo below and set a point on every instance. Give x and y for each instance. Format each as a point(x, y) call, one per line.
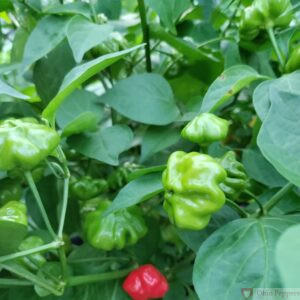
point(251, 22)
point(205, 129)
point(13, 226)
point(237, 180)
point(25, 143)
point(293, 62)
point(87, 187)
point(90, 205)
point(275, 12)
point(32, 261)
point(37, 173)
point(116, 230)
point(192, 192)
point(9, 190)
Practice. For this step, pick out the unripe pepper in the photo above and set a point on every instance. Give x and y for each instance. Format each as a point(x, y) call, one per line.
point(25, 143)
point(32, 261)
point(205, 129)
point(14, 211)
point(192, 191)
point(116, 230)
point(146, 283)
point(10, 190)
point(237, 180)
point(87, 187)
point(293, 62)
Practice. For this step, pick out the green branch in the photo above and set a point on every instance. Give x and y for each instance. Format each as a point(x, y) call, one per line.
point(275, 46)
point(237, 208)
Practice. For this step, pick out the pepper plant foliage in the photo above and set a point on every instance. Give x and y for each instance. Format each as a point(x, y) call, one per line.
point(148, 138)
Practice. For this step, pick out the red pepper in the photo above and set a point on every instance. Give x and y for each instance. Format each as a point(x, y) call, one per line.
point(145, 283)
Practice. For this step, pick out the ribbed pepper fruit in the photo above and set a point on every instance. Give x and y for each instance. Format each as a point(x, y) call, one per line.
point(251, 22)
point(33, 261)
point(87, 187)
point(90, 205)
point(116, 230)
point(13, 226)
point(146, 283)
point(10, 190)
point(275, 12)
point(293, 62)
point(237, 179)
point(192, 191)
point(25, 143)
point(205, 129)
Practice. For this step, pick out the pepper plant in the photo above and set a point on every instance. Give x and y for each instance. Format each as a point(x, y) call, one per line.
point(149, 149)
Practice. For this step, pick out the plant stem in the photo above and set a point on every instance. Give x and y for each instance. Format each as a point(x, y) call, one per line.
point(146, 34)
point(275, 46)
point(64, 208)
point(278, 196)
point(237, 208)
point(7, 282)
point(39, 202)
point(85, 279)
point(49, 246)
point(261, 208)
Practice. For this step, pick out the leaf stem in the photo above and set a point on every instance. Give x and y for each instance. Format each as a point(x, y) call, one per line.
point(261, 208)
point(49, 246)
point(278, 196)
point(237, 208)
point(8, 282)
point(146, 34)
point(85, 279)
point(64, 208)
point(275, 46)
point(39, 202)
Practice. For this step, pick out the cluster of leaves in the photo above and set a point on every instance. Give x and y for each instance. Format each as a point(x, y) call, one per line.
point(81, 66)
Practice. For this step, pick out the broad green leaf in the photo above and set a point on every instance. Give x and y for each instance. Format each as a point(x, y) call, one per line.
point(169, 11)
point(258, 168)
point(105, 145)
point(193, 239)
point(79, 8)
point(279, 136)
point(240, 254)
point(136, 191)
point(230, 82)
point(111, 8)
point(80, 74)
point(47, 34)
point(5, 89)
point(80, 112)
point(157, 139)
point(287, 256)
point(145, 98)
point(83, 35)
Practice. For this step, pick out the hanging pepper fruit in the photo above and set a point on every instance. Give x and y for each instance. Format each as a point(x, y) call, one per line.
point(145, 283)
point(25, 143)
point(10, 190)
point(116, 230)
point(205, 129)
point(90, 205)
point(13, 226)
point(274, 12)
point(192, 191)
point(237, 180)
point(37, 173)
point(87, 187)
point(32, 261)
point(293, 62)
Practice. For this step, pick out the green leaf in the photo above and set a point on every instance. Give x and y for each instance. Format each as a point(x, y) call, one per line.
point(287, 256)
point(193, 239)
point(240, 254)
point(157, 139)
point(5, 89)
point(258, 168)
point(80, 112)
point(47, 34)
point(230, 82)
point(137, 191)
point(80, 74)
point(105, 145)
point(84, 35)
point(279, 136)
point(169, 11)
point(79, 8)
point(111, 8)
point(145, 98)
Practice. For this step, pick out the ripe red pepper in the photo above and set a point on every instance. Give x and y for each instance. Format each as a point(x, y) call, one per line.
point(145, 283)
